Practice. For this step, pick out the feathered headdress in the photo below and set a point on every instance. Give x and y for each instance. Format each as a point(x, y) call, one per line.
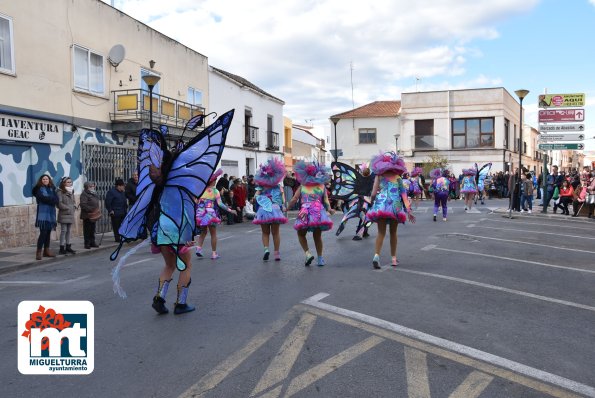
point(469, 172)
point(436, 173)
point(270, 174)
point(215, 175)
point(388, 162)
point(416, 171)
point(311, 173)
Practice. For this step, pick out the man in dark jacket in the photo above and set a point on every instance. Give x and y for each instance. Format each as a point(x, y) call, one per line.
point(115, 203)
point(130, 190)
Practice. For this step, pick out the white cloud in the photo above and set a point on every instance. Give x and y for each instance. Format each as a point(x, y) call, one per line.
point(301, 50)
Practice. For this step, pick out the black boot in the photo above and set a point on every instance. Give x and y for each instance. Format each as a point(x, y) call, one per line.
point(159, 299)
point(181, 306)
point(62, 250)
point(69, 249)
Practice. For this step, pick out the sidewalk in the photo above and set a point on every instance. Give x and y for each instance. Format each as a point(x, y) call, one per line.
point(19, 258)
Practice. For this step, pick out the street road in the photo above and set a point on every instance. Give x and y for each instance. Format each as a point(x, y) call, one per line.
point(480, 306)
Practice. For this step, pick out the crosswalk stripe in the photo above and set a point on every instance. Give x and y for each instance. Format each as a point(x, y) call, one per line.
point(472, 386)
point(416, 365)
point(318, 372)
point(282, 363)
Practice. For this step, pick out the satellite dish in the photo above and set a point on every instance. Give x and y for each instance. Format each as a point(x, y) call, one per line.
point(116, 55)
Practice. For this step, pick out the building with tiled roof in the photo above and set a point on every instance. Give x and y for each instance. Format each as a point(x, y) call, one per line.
point(374, 109)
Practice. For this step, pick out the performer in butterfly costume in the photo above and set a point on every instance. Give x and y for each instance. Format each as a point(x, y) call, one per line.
point(469, 187)
point(354, 189)
point(271, 200)
point(169, 184)
point(480, 178)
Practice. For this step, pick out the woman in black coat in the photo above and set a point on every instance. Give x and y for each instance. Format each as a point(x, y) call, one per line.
point(45, 194)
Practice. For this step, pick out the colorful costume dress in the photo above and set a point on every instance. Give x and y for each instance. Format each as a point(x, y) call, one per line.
point(206, 209)
point(468, 185)
point(415, 185)
point(391, 201)
point(440, 187)
point(407, 185)
point(313, 213)
point(270, 202)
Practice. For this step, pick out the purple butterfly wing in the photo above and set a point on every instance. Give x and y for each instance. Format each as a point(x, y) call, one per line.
point(187, 179)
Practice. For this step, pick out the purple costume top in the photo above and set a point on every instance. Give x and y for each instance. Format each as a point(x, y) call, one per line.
point(313, 213)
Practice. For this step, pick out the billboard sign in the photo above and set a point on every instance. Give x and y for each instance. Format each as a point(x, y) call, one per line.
point(561, 115)
point(561, 100)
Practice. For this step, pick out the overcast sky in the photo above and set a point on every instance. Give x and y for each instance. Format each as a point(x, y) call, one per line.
point(306, 52)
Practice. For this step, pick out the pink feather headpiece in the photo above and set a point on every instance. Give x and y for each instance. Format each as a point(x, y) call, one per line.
point(311, 173)
point(388, 162)
point(270, 174)
point(416, 171)
point(215, 175)
point(436, 173)
point(469, 172)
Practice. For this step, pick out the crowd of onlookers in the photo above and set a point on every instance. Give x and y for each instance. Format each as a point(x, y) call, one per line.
point(563, 191)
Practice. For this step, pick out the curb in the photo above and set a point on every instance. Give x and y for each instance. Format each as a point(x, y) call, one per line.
point(49, 261)
point(583, 220)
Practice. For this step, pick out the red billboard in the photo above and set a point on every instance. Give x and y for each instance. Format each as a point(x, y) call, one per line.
point(561, 115)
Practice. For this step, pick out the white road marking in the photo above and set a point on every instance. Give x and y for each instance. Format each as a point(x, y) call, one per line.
point(532, 232)
point(252, 230)
point(455, 347)
point(470, 225)
point(472, 386)
point(80, 278)
point(514, 259)
point(529, 243)
point(227, 237)
point(502, 289)
point(536, 223)
point(137, 262)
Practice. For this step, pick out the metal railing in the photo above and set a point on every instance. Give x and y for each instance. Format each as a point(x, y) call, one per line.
point(134, 105)
point(251, 137)
point(272, 141)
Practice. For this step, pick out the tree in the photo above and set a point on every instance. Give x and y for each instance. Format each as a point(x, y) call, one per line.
point(432, 162)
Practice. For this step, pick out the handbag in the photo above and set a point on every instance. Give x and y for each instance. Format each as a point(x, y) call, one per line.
point(556, 194)
point(95, 215)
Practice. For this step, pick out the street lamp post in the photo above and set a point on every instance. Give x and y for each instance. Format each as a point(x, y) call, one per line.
point(151, 81)
point(397, 143)
point(521, 94)
point(335, 120)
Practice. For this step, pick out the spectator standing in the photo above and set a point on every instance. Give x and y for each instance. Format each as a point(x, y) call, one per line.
point(115, 203)
point(526, 193)
point(250, 188)
point(130, 189)
point(66, 207)
point(553, 180)
point(45, 195)
point(591, 195)
point(90, 213)
point(239, 199)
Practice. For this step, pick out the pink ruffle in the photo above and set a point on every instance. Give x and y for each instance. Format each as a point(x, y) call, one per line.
point(214, 220)
point(323, 224)
point(157, 249)
point(374, 216)
point(276, 220)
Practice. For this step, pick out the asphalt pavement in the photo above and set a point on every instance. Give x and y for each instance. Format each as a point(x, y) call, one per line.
point(480, 305)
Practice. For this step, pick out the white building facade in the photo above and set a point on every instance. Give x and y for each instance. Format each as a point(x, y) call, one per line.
point(365, 131)
point(256, 132)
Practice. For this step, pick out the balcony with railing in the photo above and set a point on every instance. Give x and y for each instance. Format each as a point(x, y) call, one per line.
point(131, 111)
point(272, 141)
point(251, 137)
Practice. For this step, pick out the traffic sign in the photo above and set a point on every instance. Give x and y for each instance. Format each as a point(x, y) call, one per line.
point(560, 137)
point(561, 128)
point(561, 100)
point(561, 115)
point(338, 150)
point(550, 147)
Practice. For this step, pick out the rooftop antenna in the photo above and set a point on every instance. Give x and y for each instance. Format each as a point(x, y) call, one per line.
point(417, 79)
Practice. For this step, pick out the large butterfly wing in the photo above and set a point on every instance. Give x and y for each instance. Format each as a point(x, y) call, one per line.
point(187, 179)
point(343, 184)
point(150, 157)
point(482, 174)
